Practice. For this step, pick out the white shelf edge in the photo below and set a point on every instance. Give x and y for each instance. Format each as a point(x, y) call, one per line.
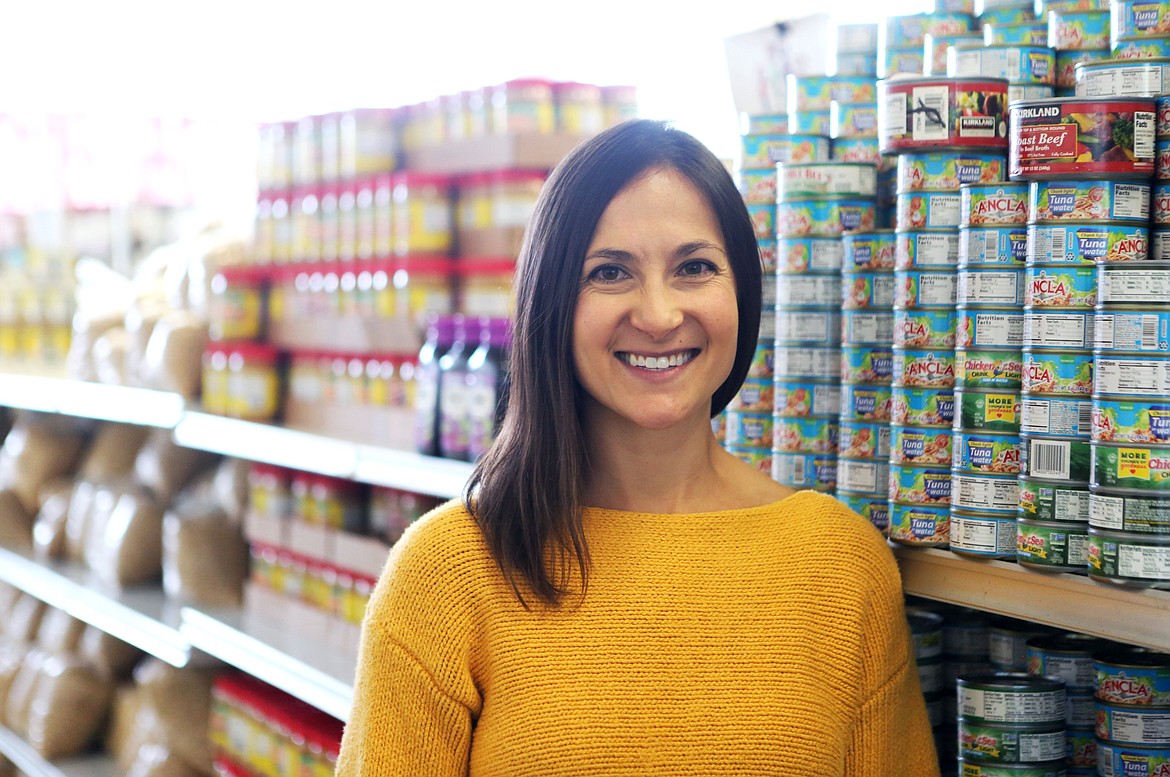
point(277, 445)
point(141, 616)
point(287, 661)
point(123, 404)
point(29, 761)
point(409, 471)
point(1063, 600)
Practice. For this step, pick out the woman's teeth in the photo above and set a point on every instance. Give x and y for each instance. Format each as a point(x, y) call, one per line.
point(659, 362)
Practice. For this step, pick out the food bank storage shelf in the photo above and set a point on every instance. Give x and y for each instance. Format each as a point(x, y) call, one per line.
point(124, 404)
point(303, 665)
point(408, 471)
point(142, 616)
point(1062, 600)
point(29, 761)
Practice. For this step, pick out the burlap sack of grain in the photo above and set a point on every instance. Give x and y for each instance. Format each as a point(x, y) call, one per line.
point(48, 532)
point(16, 522)
point(88, 327)
point(22, 691)
point(181, 700)
point(128, 550)
point(165, 468)
point(107, 655)
point(35, 452)
point(173, 360)
point(23, 621)
point(68, 709)
point(113, 451)
point(231, 487)
point(205, 556)
point(60, 632)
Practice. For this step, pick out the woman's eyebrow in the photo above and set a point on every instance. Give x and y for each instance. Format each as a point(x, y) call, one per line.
point(612, 255)
point(690, 247)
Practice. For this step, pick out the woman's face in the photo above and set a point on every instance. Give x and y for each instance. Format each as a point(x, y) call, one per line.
point(655, 327)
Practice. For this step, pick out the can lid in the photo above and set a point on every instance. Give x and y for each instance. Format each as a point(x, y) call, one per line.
point(1068, 643)
point(1011, 680)
point(1137, 657)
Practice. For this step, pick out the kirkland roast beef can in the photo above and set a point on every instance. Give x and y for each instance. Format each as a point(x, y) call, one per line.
point(1018, 64)
point(949, 169)
point(1087, 243)
point(1011, 697)
point(1136, 560)
point(1130, 514)
point(1069, 137)
point(993, 204)
point(987, 410)
point(868, 251)
point(1123, 78)
point(820, 179)
point(915, 249)
point(1048, 501)
point(1052, 547)
point(916, 114)
point(993, 245)
point(1068, 200)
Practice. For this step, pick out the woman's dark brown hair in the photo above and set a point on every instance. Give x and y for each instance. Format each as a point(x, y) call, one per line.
point(526, 491)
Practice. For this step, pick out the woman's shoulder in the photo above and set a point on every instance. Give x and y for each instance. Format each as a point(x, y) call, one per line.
point(829, 530)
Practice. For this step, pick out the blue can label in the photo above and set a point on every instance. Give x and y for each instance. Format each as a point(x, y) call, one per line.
point(868, 251)
point(1146, 332)
point(913, 249)
point(799, 399)
point(1117, 683)
point(760, 151)
point(992, 493)
point(867, 364)
point(1056, 416)
point(810, 122)
point(758, 187)
point(763, 220)
point(810, 327)
point(924, 328)
point(804, 435)
point(867, 290)
point(825, 217)
point(924, 369)
point(1140, 18)
point(867, 327)
point(875, 509)
point(999, 286)
point(865, 403)
point(983, 328)
point(927, 210)
point(1073, 30)
point(917, 524)
point(922, 407)
point(1089, 200)
point(1133, 725)
point(1087, 243)
point(920, 485)
point(815, 254)
point(1131, 421)
point(794, 361)
point(923, 446)
point(863, 476)
point(744, 428)
point(857, 150)
point(805, 470)
point(1060, 330)
point(863, 440)
point(1058, 373)
point(993, 245)
point(1061, 286)
point(948, 170)
point(852, 121)
point(983, 535)
point(987, 453)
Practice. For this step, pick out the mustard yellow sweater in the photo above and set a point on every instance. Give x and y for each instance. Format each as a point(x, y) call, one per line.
point(767, 641)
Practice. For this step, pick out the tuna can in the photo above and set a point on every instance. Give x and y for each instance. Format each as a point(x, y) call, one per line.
point(1089, 200)
point(1042, 500)
point(926, 209)
point(1060, 286)
point(949, 169)
point(866, 364)
point(987, 411)
point(925, 288)
point(997, 286)
point(978, 369)
point(1087, 243)
point(934, 50)
point(965, 636)
point(1011, 697)
point(1018, 64)
point(1053, 769)
point(1067, 61)
point(924, 368)
point(865, 403)
point(754, 396)
point(1018, 92)
point(815, 362)
point(808, 93)
point(1017, 34)
point(763, 220)
point(931, 675)
point(1139, 560)
point(913, 249)
point(992, 245)
point(1011, 744)
point(984, 328)
point(801, 399)
point(1139, 469)
point(1073, 137)
point(760, 458)
point(824, 216)
point(805, 470)
point(748, 429)
point(985, 453)
point(1068, 657)
point(920, 446)
point(1162, 159)
point(1123, 78)
point(1131, 514)
point(852, 90)
point(815, 254)
point(763, 364)
point(1054, 458)
point(1052, 547)
point(922, 407)
point(1142, 48)
point(1007, 644)
point(985, 494)
point(1081, 713)
point(825, 179)
point(867, 476)
point(1078, 30)
point(875, 509)
point(921, 525)
point(1133, 724)
point(868, 251)
point(1044, 6)
point(799, 290)
point(1114, 760)
point(857, 38)
point(1162, 129)
point(804, 435)
point(995, 204)
point(1081, 751)
point(1133, 676)
point(768, 290)
point(758, 187)
point(808, 327)
point(767, 248)
point(1160, 245)
point(862, 440)
point(1145, 332)
point(1131, 421)
point(912, 29)
point(867, 327)
point(761, 151)
point(810, 123)
point(858, 120)
point(920, 486)
point(857, 150)
point(860, 291)
point(1058, 330)
point(764, 124)
point(1056, 415)
point(915, 328)
point(1139, 18)
point(1004, 13)
point(1149, 285)
point(917, 114)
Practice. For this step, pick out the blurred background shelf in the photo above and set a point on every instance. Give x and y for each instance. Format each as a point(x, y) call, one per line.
point(123, 404)
point(29, 761)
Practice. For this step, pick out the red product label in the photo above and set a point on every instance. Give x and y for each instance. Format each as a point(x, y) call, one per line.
point(1053, 141)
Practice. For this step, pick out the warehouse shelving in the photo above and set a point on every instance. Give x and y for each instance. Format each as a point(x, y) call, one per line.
point(30, 762)
point(82, 399)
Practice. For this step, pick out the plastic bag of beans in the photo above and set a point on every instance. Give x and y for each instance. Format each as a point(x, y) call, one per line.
point(16, 523)
point(205, 555)
point(36, 451)
point(113, 451)
point(180, 699)
point(173, 360)
point(107, 655)
point(128, 549)
point(68, 707)
point(165, 468)
point(60, 632)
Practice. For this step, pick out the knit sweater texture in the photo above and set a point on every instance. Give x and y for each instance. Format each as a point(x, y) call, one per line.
point(762, 641)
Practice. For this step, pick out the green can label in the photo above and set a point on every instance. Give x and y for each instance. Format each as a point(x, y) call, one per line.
point(1137, 514)
point(1142, 559)
point(988, 369)
point(1041, 501)
point(1134, 467)
point(991, 411)
point(1055, 458)
point(1052, 545)
point(980, 741)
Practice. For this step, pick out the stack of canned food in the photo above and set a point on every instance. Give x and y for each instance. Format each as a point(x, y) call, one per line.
point(902, 39)
point(928, 635)
point(1140, 29)
point(1069, 658)
point(1029, 69)
point(811, 100)
point(988, 369)
point(866, 368)
point(1078, 34)
point(1132, 712)
point(1011, 723)
point(1013, 26)
point(935, 44)
point(857, 50)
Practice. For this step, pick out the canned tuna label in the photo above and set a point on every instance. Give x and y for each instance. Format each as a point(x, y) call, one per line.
point(866, 364)
point(993, 245)
point(934, 50)
point(988, 411)
point(925, 288)
point(876, 510)
point(924, 369)
point(983, 535)
point(744, 428)
point(865, 403)
point(924, 328)
point(922, 407)
point(810, 123)
point(1005, 13)
point(1143, 515)
point(1142, 48)
point(1136, 18)
point(1131, 421)
point(759, 458)
point(767, 255)
point(1122, 78)
point(921, 525)
point(1019, 34)
point(863, 476)
point(824, 217)
point(1056, 416)
point(1059, 546)
point(927, 209)
point(868, 290)
point(853, 121)
point(1092, 200)
point(1137, 332)
point(815, 254)
point(1135, 559)
point(1066, 65)
point(912, 445)
point(857, 37)
point(808, 93)
point(755, 396)
point(763, 220)
point(857, 150)
point(799, 290)
point(992, 287)
point(868, 251)
point(986, 453)
point(949, 169)
point(861, 440)
point(1162, 104)
point(797, 399)
point(805, 470)
point(917, 114)
point(988, 369)
point(1018, 92)
point(758, 187)
point(1133, 678)
point(825, 179)
point(1148, 377)
point(760, 151)
point(1012, 698)
point(797, 327)
point(1125, 286)
point(1073, 136)
point(1160, 246)
point(867, 327)
point(1132, 725)
point(989, 328)
point(1162, 159)
point(919, 485)
point(926, 249)
point(1058, 330)
point(767, 124)
point(1077, 30)
point(987, 493)
point(912, 29)
point(1043, 501)
point(1087, 243)
point(804, 435)
point(763, 364)
point(1081, 752)
point(1054, 458)
point(806, 362)
point(1061, 286)
point(994, 204)
point(982, 741)
point(1018, 64)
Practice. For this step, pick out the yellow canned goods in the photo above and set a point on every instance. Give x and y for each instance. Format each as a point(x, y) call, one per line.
point(421, 215)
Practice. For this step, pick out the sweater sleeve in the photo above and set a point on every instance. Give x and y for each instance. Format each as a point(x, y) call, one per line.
point(892, 734)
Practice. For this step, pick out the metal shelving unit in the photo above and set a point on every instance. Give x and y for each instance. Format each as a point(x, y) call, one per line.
point(29, 761)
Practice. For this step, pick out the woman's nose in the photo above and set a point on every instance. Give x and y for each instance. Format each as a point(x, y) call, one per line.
point(658, 311)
